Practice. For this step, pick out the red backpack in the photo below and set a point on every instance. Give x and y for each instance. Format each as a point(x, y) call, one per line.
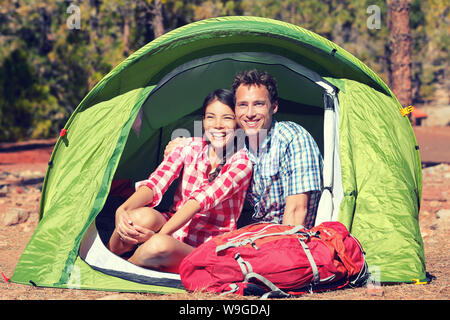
point(272, 260)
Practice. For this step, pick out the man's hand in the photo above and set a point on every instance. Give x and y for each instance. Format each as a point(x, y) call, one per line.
point(177, 142)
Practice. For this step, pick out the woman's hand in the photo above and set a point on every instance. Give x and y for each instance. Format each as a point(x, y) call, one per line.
point(127, 231)
point(125, 228)
point(177, 142)
point(144, 233)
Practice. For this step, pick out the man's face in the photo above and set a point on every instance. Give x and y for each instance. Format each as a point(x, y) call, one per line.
point(253, 109)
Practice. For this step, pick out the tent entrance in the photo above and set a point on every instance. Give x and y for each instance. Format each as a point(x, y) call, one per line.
point(172, 109)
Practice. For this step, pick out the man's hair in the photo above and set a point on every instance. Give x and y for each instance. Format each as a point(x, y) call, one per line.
point(256, 77)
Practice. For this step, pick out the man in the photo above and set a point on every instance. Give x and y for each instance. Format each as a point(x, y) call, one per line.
point(287, 164)
point(287, 171)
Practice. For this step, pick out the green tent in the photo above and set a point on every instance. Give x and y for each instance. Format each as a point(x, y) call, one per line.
point(372, 168)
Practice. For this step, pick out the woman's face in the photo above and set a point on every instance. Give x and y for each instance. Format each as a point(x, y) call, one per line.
point(219, 123)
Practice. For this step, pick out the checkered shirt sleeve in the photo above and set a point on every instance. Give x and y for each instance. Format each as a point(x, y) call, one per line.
point(169, 169)
point(300, 166)
point(221, 201)
point(290, 164)
point(233, 177)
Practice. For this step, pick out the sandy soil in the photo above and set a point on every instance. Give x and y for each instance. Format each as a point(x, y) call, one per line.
point(23, 166)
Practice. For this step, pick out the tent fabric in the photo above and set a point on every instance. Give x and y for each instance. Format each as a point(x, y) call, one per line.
point(376, 162)
point(382, 181)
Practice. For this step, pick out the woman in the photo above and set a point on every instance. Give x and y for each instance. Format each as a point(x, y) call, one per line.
point(208, 200)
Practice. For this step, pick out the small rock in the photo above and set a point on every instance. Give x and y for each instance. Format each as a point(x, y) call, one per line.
point(3, 244)
point(26, 228)
point(443, 216)
point(15, 216)
point(374, 290)
point(4, 191)
point(20, 190)
point(4, 174)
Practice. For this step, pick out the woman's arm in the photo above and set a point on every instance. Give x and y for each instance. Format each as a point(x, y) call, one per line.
point(181, 217)
point(148, 192)
point(234, 177)
point(138, 199)
point(169, 169)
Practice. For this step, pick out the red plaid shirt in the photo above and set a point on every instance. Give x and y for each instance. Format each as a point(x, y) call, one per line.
point(221, 201)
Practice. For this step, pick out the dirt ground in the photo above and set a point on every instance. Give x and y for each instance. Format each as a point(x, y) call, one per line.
point(23, 166)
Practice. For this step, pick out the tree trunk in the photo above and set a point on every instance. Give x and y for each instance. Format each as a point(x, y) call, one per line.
point(126, 36)
point(158, 19)
point(293, 12)
point(399, 50)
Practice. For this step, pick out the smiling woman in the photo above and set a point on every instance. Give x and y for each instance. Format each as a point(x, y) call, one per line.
point(207, 203)
point(219, 121)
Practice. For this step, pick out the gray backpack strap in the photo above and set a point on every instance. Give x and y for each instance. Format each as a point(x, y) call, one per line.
point(251, 240)
point(234, 287)
point(247, 270)
point(311, 261)
point(246, 267)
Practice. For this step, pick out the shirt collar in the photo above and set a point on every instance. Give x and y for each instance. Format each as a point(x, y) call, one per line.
point(265, 145)
point(229, 152)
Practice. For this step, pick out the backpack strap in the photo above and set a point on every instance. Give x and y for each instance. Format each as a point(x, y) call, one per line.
point(247, 270)
point(234, 287)
point(314, 268)
point(252, 240)
point(246, 267)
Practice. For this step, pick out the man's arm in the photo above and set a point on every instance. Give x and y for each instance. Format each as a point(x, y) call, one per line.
point(177, 142)
point(296, 209)
point(301, 175)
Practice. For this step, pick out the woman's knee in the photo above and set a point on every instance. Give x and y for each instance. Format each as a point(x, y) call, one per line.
point(161, 251)
point(160, 245)
point(153, 252)
point(147, 218)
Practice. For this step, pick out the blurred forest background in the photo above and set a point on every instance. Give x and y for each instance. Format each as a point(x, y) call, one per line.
point(53, 52)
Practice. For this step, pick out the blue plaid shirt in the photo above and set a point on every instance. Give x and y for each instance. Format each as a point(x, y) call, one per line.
point(288, 162)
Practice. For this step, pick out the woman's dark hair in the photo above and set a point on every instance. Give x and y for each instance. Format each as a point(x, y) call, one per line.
point(223, 95)
point(226, 97)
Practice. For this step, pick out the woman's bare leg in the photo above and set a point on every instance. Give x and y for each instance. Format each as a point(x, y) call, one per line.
point(145, 217)
point(161, 252)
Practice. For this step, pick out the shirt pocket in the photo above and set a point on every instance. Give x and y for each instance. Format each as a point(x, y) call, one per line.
point(271, 161)
point(270, 176)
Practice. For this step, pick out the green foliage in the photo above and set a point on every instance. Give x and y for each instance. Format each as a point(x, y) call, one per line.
point(24, 103)
point(46, 67)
